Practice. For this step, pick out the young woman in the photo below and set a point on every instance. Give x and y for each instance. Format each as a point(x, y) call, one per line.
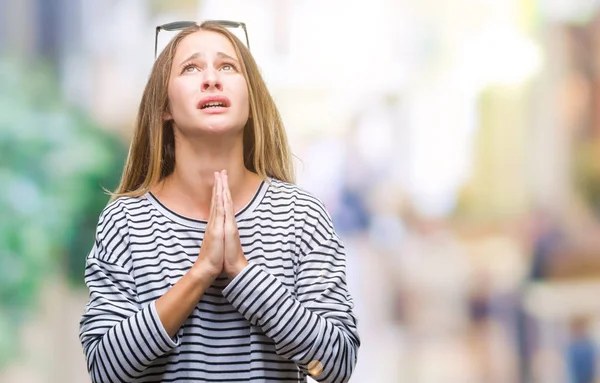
point(209, 265)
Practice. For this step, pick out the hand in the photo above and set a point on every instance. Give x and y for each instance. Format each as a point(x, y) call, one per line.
point(234, 258)
point(210, 259)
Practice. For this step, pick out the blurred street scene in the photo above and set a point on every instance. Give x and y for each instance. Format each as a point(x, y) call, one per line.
point(456, 144)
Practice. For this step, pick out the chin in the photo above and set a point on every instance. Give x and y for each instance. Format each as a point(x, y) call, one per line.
point(220, 129)
point(216, 125)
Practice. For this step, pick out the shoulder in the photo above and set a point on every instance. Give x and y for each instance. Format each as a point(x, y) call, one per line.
point(120, 210)
point(305, 205)
point(112, 231)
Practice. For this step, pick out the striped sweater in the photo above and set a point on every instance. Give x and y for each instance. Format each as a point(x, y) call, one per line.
point(287, 315)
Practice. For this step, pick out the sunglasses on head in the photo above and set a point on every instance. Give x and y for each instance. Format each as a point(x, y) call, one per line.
point(179, 25)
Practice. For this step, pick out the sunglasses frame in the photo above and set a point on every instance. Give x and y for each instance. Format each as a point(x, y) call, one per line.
point(179, 25)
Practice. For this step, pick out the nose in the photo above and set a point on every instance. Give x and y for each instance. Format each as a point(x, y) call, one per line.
point(211, 80)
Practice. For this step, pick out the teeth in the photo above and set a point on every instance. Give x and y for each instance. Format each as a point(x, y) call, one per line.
point(212, 105)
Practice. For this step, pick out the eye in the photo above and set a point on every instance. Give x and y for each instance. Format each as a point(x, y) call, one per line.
point(190, 68)
point(228, 67)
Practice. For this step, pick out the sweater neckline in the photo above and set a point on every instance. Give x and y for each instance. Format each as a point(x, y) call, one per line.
point(244, 213)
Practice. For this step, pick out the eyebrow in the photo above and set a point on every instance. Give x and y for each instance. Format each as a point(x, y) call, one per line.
point(197, 55)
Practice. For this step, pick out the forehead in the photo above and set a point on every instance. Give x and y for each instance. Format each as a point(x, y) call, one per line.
point(207, 43)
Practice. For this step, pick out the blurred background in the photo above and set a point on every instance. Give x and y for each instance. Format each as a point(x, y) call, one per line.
point(456, 144)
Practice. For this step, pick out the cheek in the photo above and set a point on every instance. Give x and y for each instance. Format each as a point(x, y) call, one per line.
point(246, 104)
point(244, 97)
point(178, 93)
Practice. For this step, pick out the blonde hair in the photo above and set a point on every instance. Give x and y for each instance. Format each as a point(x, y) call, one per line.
point(151, 155)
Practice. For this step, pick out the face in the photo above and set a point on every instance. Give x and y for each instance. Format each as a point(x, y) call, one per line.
point(207, 91)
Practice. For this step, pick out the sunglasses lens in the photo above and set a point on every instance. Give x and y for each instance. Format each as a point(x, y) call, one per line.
point(177, 25)
point(226, 23)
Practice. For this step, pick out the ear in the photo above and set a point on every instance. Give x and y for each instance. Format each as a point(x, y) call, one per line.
point(167, 115)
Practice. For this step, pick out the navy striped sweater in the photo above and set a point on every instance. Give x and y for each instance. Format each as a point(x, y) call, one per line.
point(287, 315)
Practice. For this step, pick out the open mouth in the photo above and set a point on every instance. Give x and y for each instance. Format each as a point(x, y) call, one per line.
point(214, 102)
point(213, 105)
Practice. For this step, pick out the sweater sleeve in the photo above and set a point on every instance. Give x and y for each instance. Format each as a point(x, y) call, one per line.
point(120, 337)
point(316, 329)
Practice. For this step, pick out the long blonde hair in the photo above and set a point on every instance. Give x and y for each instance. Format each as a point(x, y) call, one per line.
point(151, 155)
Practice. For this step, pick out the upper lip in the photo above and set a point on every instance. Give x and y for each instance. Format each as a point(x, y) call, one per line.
point(210, 99)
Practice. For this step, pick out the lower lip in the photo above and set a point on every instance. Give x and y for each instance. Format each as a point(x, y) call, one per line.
point(214, 110)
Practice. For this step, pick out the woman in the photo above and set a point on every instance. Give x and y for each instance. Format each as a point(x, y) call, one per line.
point(209, 264)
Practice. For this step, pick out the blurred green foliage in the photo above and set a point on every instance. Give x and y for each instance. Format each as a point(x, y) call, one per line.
point(54, 162)
point(586, 171)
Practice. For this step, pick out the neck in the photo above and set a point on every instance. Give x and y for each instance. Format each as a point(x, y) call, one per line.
point(189, 188)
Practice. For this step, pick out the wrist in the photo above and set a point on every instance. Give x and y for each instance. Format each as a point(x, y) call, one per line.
point(237, 268)
point(202, 274)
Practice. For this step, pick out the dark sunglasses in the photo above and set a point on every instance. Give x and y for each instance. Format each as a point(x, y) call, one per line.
point(179, 25)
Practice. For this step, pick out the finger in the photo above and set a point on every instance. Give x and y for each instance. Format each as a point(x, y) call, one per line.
point(213, 199)
point(219, 202)
point(231, 209)
point(227, 198)
point(232, 222)
point(225, 188)
point(230, 200)
point(212, 217)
